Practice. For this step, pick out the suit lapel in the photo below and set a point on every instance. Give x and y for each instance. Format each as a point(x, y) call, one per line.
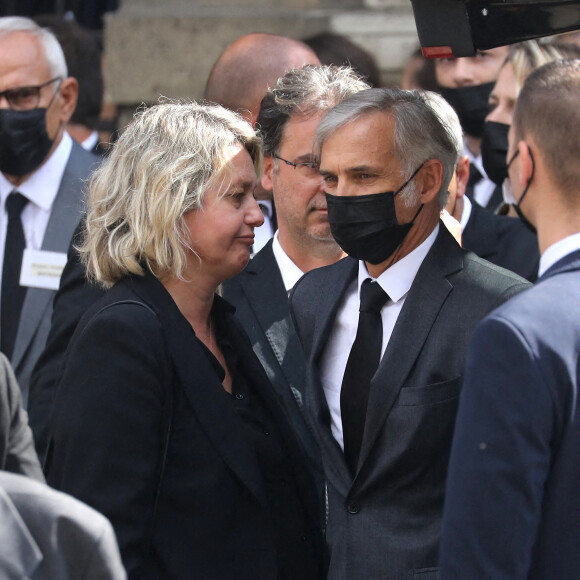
point(210, 403)
point(335, 286)
point(269, 303)
point(24, 554)
point(428, 293)
point(331, 295)
point(61, 225)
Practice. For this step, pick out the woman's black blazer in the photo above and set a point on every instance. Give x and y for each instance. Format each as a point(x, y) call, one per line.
point(188, 505)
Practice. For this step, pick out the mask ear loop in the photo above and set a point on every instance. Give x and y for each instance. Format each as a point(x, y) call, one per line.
point(517, 207)
point(405, 185)
point(409, 180)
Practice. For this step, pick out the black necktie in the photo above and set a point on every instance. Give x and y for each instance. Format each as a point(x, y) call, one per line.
point(12, 293)
point(362, 364)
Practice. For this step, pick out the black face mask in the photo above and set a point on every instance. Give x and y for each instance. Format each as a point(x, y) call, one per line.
point(24, 142)
point(366, 226)
point(494, 148)
point(471, 106)
point(511, 197)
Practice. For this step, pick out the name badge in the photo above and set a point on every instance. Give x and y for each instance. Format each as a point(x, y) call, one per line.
point(42, 269)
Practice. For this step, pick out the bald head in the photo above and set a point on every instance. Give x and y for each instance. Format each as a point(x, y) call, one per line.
point(242, 74)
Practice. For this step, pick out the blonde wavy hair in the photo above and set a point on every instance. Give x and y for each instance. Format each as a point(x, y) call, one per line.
point(159, 169)
point(529, 55)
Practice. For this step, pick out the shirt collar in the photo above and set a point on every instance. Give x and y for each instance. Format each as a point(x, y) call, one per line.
point(42, 185)
point(477, 161)
point(466, 213)
point(89, 143)
point(291, 273)
point(558, 251)
point(396, 281)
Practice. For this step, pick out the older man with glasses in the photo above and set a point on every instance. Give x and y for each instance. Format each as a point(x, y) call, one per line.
point(41, 177)
point(288, 117)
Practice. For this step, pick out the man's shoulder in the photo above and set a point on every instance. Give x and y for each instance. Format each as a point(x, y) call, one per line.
point(261, 269)
point(489, 275)
point(465, 270)
point(80, 161)
point(326, 276)
point(38, 500)
point(67, 535)
point(548, 305)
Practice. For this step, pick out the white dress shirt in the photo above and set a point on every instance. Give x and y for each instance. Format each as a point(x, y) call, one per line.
point(263, 233)
point(291, 273)
point(40, 189)
point(396, 281)
point(466, 213)
point(90, 141)
point(558, 251)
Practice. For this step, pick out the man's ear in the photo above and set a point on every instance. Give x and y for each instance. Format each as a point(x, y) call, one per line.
point(430, 180)
point(526, 164)
point(462, 172)
point(268, 173)
point(68, 94)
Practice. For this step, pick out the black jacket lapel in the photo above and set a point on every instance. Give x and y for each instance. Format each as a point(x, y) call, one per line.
point(214, 412)
point(428, 293)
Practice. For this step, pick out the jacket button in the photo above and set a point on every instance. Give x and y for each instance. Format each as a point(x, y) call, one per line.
point(352, 507)
point(239, 396)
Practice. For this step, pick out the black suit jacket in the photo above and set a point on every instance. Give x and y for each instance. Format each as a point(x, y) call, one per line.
point(132, 354)
point(261, 303)
point(502, 240)
point(385, 522)
point(73, 298)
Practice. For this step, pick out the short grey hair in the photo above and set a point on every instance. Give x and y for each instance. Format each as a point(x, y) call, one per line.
point(426, 127)
point(304, 91)
point(50, 45)
point(158, 170)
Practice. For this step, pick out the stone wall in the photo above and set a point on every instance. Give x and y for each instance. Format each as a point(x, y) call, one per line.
point(168, 48)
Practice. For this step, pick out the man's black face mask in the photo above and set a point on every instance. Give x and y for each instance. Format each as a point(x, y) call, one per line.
point(494, 148)
point(366, 226)
point(471, 105)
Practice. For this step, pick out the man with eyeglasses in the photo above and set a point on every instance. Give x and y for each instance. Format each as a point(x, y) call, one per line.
point(288, 117)
point(41, 177)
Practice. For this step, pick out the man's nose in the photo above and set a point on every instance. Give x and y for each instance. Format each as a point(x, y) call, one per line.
point(464, 73)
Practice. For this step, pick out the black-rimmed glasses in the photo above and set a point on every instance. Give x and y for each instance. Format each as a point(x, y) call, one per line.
point(308, 170)
point(25, 98)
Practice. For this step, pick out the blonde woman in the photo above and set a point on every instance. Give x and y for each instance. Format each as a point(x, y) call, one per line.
point(164, 419)
point(522, 59)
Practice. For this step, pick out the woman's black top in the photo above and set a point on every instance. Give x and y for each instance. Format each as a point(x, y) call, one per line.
point(296, 560)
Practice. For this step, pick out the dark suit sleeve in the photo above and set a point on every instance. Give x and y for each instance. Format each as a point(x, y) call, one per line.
point(73, 299)
point(17, 444)
point(107, 428)
point(499, 461)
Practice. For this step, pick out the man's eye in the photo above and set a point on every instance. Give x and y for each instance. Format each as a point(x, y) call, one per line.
point(23, 94)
